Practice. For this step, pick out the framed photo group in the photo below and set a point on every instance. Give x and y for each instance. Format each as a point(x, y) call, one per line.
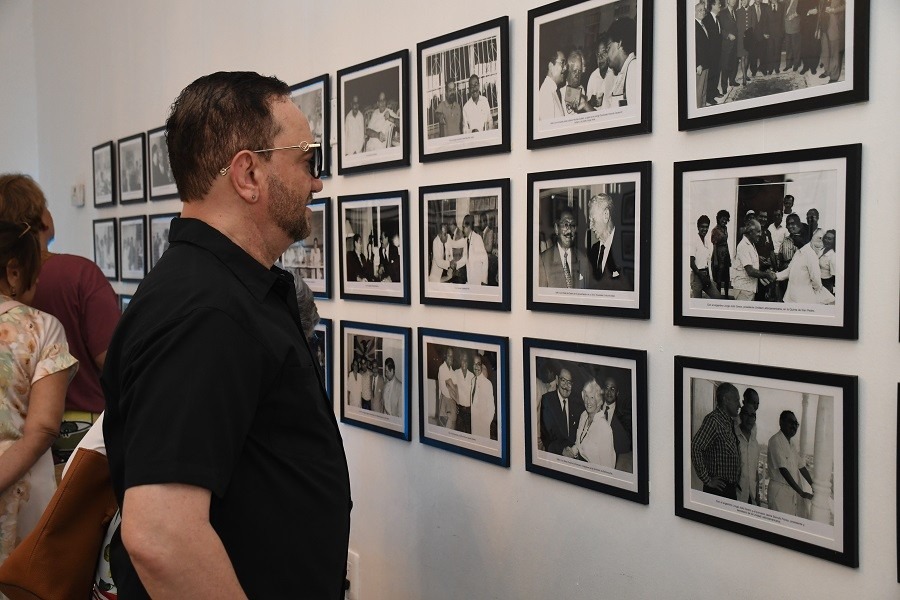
point(125, 249)
point(121, 171)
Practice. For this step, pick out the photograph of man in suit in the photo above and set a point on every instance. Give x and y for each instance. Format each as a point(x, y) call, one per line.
point(605, 255)
point(618, 415)
point(357, 265)
point(560, 414)
point(563, 265)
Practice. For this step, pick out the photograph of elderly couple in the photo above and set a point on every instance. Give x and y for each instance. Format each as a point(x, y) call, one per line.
point(776, 241)
point(766, 451)
point(586, 71)
point(306, 258)
point(586, 405)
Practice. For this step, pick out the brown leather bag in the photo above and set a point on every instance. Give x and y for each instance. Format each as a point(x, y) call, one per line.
point(57, 560)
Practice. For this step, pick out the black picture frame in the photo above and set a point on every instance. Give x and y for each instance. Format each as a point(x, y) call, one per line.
point(132, 163)
point(478, 51)
point(388, 75)
point(321, 345)
point(570, 27)
point(377, 344)
point(158, 236)
point(368, 216)
point(826, 180)
point(159, 171)
point(124, 300)
point(611, 449)
point(103, 159)
point(772, 94)
point(313, 97)
point(829, 527)
point(106, 247)
point(310, 260)
point(611, 282)
point(482, 432)
point(133, 248)
point(489, 200)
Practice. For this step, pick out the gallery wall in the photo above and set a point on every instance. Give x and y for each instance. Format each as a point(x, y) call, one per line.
point(428, 523)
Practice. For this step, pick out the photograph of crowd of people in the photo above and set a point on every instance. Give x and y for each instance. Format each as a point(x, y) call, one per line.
point(106, 247)
point(754, 52)
point(311, 97)
point(374, 382)
point(133, 248)
point(162, 182)
point(586, 69)
point(131, 169)
point(305, 259)
point(159, 236)
point(104, 184)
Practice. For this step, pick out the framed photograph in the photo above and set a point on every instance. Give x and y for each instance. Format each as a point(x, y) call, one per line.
point(124, 301)
point(374, 246)
point(373, 128)
point(589, 241)
point(769, 453)
point(589, 71)
point(106, 247)
point(738, 64)
point(375, 377)
point(313, 97)
point(132, 174)
point(464, 244)
point(159, 235)
point(310, 259)
point(133, 247)
point(162, 182)
point(104, 162)
point(464, 92)
point(464, 393)
point(322, 350)
point(789, 263)
point(586, 416)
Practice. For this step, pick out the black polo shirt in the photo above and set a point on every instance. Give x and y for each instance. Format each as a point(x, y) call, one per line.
point(209, 381)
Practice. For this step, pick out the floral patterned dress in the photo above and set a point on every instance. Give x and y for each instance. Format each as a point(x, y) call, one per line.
point(32, 346)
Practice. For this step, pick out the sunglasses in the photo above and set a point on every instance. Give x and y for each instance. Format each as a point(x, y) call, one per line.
point(315, 161)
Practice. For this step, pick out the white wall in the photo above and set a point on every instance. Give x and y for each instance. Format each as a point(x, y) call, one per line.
point(431, 524)
point(18, 121)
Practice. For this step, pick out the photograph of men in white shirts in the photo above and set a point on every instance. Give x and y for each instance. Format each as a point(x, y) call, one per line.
point(354, 129)
point(477, 112)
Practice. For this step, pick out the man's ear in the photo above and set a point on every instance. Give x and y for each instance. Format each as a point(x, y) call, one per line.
point(245, 176)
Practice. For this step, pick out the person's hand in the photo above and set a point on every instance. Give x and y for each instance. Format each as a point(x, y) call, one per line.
point(381, 136)
point(569, 451)
point(716, 483)
point(731, 37)
point(812, 11)
point(766, 35)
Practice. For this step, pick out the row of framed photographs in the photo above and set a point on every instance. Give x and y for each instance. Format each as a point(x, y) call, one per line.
point(588, 243)
point(585, 414)
point(121, 171)
point(125, 248)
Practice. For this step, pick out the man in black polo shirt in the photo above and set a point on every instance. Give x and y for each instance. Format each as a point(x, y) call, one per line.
point(224, 451)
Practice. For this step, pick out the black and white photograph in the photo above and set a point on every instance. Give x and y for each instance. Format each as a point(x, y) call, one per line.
point(373, 230)
point(373, 123)
point(313, 98)
point(589, 70)
point(321, 344)
point(740, 60)
point(310, 258)
point(132, 173)
point(124, 301)
point(104, 175)
point(464, 92)
point(159, 235)
point(464, 241)
point(162, 182)
point(375, 377)
point(464, 393)
point(586, 416)
point(770, 242)
point(106, 247)
point(133, 247)
point(770, 453)
point(589, 241)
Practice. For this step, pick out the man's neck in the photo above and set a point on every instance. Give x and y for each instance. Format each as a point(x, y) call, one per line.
point(264, 246)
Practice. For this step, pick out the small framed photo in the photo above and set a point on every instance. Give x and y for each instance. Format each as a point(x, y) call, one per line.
point(313, 97)
point(374, 246)
point(133, 247)
point(124, 301)
point(464, 243)
point(162, 182)
point(586, 416)
point(375, 377)
point(464, 394)
point(589, 241)
point(373, 100)
point(106, 247)
point(322, 350)
point(769, 453)
point(310, 258)
point(159, 235)
point(104, 175)
point(589, 71)
point(132, 174)
point(731, 68)
point(464, 92)
point(789, 262)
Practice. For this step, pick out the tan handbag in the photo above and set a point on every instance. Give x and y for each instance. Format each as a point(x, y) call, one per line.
point(58, 559)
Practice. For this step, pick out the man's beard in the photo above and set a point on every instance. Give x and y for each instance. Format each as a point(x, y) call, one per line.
point(283, 207)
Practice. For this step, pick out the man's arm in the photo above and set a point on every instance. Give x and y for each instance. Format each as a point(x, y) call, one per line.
point(172, 544)
point(700, 442)
point(794, 485)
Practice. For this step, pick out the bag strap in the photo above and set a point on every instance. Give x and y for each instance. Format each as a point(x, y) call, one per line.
point(9, 305)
